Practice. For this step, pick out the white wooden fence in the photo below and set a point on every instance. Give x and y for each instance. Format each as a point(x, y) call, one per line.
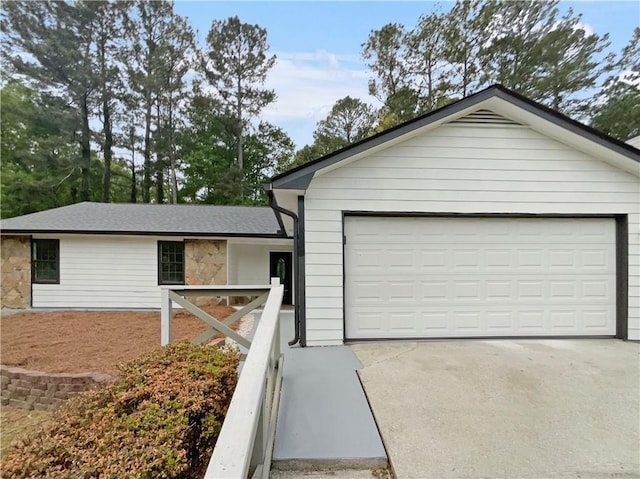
point(245, 443)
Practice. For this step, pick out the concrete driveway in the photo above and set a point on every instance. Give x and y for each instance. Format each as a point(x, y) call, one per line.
point(506, 409)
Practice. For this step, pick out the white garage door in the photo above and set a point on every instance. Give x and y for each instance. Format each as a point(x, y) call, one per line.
point(467, 277)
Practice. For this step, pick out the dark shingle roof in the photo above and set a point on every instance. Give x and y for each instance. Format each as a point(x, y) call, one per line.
point(147, 219)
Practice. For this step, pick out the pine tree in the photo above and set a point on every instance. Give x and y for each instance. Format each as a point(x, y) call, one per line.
point(618, 109)
point(236, 64)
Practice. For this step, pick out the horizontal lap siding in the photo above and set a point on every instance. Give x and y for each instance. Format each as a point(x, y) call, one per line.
point(104, 272)
point(458, 169)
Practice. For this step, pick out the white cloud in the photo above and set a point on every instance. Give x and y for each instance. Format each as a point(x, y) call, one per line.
point(588, 29)
point(308, 84)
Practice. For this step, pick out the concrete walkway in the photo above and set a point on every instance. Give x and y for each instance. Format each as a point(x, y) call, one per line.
point(506, 409)
point(324, 421)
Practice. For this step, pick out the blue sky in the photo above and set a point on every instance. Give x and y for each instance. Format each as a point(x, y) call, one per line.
point(318, 45)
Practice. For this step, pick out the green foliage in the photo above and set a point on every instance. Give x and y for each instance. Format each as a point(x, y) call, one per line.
point(157, 62)
point(51, 46)
point(384, 51)
point(39, 158)
point(236, 65)
point(466, 33)
point(304, 155)
point(41, 165)
point(618, 113)
point(548, 58)
point(350, 120)
point(526, 46)
point(266, 152)
point(426, 47)
point(210, 171)
point(160, 418)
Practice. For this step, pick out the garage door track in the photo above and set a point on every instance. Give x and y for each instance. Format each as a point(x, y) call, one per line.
point(506, 408)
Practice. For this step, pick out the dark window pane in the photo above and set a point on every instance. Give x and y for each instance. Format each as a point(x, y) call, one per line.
point(171, 258)
point(45, 258)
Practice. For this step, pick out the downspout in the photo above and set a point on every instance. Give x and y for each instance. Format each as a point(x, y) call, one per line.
point(296, 262)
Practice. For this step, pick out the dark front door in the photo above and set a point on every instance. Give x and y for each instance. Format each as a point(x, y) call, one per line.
point(280, 267)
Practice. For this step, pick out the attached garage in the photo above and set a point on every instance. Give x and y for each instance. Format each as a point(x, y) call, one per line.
point(491, 217)
point(435, 277)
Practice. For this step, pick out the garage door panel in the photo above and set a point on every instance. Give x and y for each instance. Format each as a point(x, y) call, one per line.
point(479, 277)
point(502, 290)
point(597, 320)
point(500, 322)
point(399, 260)
point(597, 259)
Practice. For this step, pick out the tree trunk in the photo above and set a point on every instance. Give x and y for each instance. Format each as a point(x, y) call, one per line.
point(174, 182)
point(85, 146)
point(172, 156)
point(146, 181)
point(132, 139)
point(159, 181)
point(240, 138)
point(108, 153)
point(108, 134)
point(159, 162)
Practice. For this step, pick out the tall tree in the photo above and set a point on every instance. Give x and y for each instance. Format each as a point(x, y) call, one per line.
point(618, 110)
point(466, 32)
point(145, 32)
point(236, 64)
point(350, 120)
point(304, 155)
point(39, 168)
point(267, 150)
point(177, 49)
point(426, 62)
point(546, 57)
point(208, 143)
point(51, 44)
point(385, 54)
point(106, 19)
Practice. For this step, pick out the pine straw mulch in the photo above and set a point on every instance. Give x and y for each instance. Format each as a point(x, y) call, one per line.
point(90, 341)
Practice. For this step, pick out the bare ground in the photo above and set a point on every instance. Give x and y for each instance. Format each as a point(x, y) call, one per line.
point(89, 341)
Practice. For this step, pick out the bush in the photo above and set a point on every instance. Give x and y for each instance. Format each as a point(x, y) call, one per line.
point(159, 419)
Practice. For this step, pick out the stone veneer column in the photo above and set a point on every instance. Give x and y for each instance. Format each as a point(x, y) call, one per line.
point(205, 263)
point(15, 267)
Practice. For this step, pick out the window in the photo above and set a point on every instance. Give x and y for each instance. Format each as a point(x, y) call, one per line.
point(45, 261)
point(170, 262)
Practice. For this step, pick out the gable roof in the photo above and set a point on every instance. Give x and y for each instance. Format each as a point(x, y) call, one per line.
point(299, 177)
point(149, 219)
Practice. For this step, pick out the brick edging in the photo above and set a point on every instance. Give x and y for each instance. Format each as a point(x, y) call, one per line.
point(27, 389)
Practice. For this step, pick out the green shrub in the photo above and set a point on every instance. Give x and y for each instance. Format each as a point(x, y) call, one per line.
point(159, 419)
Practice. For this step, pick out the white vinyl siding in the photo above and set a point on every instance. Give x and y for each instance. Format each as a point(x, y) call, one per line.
point(249, 263)
point(458, 169)
point(104, 272)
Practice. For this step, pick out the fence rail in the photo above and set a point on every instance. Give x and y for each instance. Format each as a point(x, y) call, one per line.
point(245, 443)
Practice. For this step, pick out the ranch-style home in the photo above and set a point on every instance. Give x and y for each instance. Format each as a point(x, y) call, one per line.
point(493, 216)
point(105, 255)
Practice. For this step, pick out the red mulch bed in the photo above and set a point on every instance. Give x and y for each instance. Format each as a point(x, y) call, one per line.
point(89, 341)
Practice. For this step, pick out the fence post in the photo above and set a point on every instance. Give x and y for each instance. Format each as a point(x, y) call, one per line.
point(165, 317)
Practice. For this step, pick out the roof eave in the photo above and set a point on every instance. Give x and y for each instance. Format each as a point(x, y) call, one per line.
point(23, 231)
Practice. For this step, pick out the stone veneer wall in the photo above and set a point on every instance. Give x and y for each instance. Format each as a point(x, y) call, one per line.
point(205, 263)
point(15, 269)
point(37, 390)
